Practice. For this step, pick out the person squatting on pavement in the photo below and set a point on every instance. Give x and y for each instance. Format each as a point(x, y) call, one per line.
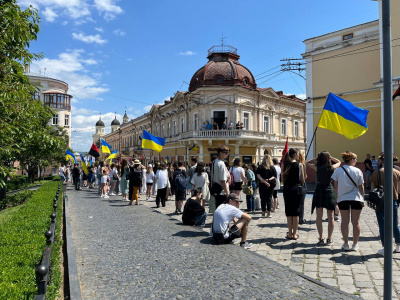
point(193, 212)
point(222, 232)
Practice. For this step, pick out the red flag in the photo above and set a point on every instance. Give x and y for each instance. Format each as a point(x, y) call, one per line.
point(94, 151)
point(285, 150)
point(397, 93)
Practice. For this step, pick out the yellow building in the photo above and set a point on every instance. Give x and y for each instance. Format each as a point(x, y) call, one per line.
point(348, 63)
point(221, 91)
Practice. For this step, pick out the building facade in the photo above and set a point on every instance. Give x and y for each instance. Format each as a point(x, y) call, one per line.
point(348, 63)
point(54, 93)
point(221, 92)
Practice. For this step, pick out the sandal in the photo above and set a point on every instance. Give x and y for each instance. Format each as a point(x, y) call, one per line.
point(295, 238)
point(287, 236)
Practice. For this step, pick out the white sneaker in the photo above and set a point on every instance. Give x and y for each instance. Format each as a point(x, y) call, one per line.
point(119, 194)
point(106, 196)
point(112, 194)
point(346, 247)
point(355, 247)
point(381, 252)
point(102, 196)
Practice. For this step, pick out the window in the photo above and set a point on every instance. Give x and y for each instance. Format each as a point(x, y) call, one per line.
point(283, 127)
point(246, 120)
point(195, 120)
point(156, 131)
point(182, 124)
point(266, 124)
point(66, 120)
point(168, 129)
point(162, 130)
point(296, 129)
point(347, 36)
point(55, 119)
point(174, 128)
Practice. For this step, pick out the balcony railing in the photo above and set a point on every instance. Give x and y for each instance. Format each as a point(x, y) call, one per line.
point(207, 134)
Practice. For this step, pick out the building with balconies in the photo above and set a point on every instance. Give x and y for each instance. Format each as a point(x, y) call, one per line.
point(221, 92)
point(53, 93)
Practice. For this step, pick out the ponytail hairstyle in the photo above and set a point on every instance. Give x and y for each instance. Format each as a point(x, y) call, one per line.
point(287, 163)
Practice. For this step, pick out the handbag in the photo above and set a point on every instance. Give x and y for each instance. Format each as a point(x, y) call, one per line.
point(248, 190)
point(302, 190)
point(115, 176)
point(216, 188)
point(376, 197)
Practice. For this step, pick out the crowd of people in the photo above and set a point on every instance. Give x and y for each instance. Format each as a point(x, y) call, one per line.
point(215, 126)
point(339, 188)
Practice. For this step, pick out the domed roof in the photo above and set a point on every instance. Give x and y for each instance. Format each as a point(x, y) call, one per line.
point(115, 121)
point(223, 69)
point(100, 123)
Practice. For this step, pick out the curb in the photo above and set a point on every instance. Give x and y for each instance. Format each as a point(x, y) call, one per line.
point(73, 278)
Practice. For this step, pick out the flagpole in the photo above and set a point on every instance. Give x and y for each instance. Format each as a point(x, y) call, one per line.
point(315, 132)
point(388, 148)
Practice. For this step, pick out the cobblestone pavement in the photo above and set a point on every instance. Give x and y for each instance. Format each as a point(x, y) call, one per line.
point(357, 273)
point(133, 252)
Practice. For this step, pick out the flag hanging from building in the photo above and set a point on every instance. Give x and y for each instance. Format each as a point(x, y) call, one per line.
point(105, 147)
point(94, 151)
point(83, 165)
point(343, 117)
point(70, 155)
point(285, 150)
point(112, 155)
point(194, 148)
point(396, 93)
point(152, 142)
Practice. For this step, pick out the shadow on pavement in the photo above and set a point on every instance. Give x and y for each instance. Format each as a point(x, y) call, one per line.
point(188, 233)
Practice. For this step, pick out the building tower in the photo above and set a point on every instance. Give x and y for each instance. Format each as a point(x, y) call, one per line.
point(115, 125)
point(125, 119)
point(99, 132)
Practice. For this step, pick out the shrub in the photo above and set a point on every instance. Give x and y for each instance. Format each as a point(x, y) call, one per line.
point(16, 199)
point(56, 178)
point(22, 243)
point(17, 183)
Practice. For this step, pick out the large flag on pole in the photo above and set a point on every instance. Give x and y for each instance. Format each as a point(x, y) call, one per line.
point(396, 93)
point(152, 142)
point(105, 147)
point(112, 155)
point(69, 155)
point(83, 165)
point(285, 150)
point(343, 117)
point(94, 151)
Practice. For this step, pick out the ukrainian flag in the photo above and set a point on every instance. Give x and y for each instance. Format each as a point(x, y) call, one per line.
point(112, 155)
point(343, 117)
point(83, 165)
point(105, 147)
point(194, 148)
point(152, 142)
point(70, 155)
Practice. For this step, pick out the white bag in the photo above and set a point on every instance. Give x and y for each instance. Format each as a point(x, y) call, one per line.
point(257, 201)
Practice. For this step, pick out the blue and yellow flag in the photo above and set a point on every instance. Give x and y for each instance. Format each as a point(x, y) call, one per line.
point(152, 142)
point(194, 148)
point(105, 147)
point(83, 165)
point(70, 155)
point(112, 155)
point(343, 117)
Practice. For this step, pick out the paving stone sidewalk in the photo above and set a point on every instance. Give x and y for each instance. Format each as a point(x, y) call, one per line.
point(358, 273)
point(133, 252)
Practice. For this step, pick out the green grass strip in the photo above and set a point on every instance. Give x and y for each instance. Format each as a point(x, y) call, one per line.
point(22, 243)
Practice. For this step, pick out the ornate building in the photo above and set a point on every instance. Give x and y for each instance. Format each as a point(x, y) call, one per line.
point(222, 91)
point(53, 93)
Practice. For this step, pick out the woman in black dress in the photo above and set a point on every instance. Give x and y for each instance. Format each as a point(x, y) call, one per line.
point(292, 175)
point(324, 195)
point(266, 173)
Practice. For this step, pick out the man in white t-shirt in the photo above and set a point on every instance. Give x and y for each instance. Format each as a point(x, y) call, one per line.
point(219, 174)
point(223, 216)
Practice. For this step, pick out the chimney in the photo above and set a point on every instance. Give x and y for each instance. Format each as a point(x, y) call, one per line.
point(27, 68)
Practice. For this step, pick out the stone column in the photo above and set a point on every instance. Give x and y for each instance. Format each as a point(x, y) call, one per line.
point(201, 154)
point(237, 147)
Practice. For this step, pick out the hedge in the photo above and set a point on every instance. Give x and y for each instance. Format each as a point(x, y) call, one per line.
point(22, 243)
point(15, 199)
point(20, 182)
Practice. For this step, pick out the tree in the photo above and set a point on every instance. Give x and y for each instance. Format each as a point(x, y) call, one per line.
point(17, 111)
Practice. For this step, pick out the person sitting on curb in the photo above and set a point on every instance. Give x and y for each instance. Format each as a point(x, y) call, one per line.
point(223, 216)
point(193, 212)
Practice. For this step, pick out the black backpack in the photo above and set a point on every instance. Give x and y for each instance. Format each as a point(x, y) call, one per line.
point(180, 181)
point(136, 177)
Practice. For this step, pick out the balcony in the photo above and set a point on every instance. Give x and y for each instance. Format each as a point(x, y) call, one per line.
point(228, 134)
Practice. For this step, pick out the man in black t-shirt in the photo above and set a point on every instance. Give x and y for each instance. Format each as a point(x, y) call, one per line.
point(368, 170)
point(193, 212)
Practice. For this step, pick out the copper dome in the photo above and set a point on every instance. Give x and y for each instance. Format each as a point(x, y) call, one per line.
point(223, 69)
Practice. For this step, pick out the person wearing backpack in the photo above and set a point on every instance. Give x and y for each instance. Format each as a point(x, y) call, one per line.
point(190, 173)
point(237, 172)
point(135, 181)
point(179, 182)
point(376, 182)
point(200, 181)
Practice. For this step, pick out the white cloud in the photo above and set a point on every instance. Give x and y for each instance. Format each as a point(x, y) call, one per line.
point(99, 29)
point(90, 61)
point(108, 8)
point(69, 67)
point(74, 9)
point(49, 15)
point(89, 38)
point(301, 96)
point(119, 32)
point(187, 53)
point(64, 23)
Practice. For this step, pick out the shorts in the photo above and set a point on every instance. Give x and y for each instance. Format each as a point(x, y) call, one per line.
point(149, 184)
point(103, 179)
point(275, 194)
point(238, 186)
point(346, 205)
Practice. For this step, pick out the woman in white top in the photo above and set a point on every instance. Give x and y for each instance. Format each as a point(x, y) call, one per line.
point(113, 179)
point(348, 182)
point(149, 182)
point(200, 180)
point(278, 184)
point(162, 184)
point(238, 177)
point(143, 188)
point(61, 171)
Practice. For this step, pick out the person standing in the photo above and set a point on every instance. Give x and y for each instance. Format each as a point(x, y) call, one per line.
point(238, 177)
point(374, 163)
point(162, 184)
point(324, 194)
point(250, 181)
point(124, 185)
point(113, 179)
point(135, 181)
point(103, 181)
point(201, 182)
point(61, 172)
point(368, 170)
point(179, 182)
point(143, 189)
point(230, 125)
point(378, 179)
point(219, 175)
point(190, 172)
point(149, 181)
point(266, 174)
point(348, 182)
point(278, 184)
point(76, 173)
point(292, 178)
point(302, 161)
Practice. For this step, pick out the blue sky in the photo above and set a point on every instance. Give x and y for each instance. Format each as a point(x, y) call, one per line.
point(134, 54)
